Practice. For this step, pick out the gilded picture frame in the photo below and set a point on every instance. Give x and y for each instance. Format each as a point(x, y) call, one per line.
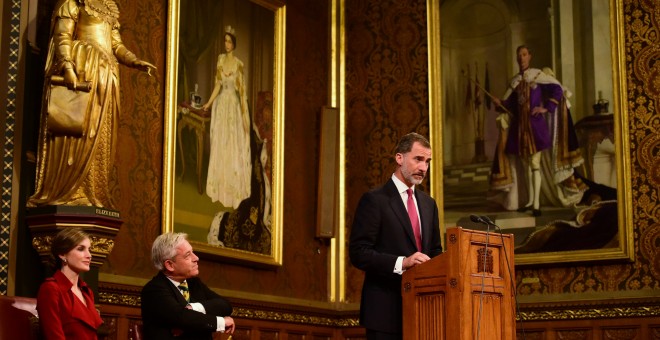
point(443, 94)
point(223, 182)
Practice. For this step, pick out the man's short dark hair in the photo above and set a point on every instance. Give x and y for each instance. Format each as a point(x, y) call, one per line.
point(406, 142)
point(525, 47)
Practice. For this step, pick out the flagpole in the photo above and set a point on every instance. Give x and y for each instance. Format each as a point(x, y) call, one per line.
point(489, 95)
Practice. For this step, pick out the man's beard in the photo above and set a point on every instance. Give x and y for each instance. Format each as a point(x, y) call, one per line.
point(409, 176)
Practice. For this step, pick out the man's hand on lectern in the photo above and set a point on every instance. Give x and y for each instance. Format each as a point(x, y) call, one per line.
point(414, 260)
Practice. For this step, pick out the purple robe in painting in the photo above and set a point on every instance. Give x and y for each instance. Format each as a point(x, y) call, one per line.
point(522, 135)
point(529, 134)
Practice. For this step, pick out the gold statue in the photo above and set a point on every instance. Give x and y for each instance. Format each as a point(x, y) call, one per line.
point(80, 106)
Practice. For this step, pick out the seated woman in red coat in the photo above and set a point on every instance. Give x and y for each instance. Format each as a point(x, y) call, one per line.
point(65, 303)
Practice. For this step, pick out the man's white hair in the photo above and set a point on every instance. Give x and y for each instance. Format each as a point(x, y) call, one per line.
point(164, 248)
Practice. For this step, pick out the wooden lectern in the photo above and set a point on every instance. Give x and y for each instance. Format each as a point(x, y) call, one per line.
point(466, 293)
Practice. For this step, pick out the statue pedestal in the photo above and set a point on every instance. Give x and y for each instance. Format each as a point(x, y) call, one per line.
point(101, 224)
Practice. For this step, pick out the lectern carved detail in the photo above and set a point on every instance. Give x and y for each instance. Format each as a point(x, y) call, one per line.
point(485, 260)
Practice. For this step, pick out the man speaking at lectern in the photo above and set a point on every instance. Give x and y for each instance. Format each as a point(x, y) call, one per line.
point(395, 228)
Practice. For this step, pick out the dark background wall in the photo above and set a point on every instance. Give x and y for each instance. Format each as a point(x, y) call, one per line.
point(386, 95)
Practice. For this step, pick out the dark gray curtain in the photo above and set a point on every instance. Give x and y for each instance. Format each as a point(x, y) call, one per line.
point(200, 22)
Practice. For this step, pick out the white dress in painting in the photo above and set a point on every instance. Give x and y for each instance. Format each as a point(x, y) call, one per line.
point(230, 168)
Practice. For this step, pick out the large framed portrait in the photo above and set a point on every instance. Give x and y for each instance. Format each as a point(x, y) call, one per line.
point(529, 117)
point(224, 127)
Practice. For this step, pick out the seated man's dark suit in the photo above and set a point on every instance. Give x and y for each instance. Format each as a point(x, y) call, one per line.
point(165, 316)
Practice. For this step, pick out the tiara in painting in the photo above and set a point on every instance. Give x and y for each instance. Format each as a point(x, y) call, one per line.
point(230, 30)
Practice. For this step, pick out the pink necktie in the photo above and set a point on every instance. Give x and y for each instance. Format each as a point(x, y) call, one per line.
point(414, 220)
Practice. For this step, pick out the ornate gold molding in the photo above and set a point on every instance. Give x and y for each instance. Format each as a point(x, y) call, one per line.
point(589, 313)
point(591, 309)
point(100, 247)
point(119, 299)
point(42, 243)
point(294, 318)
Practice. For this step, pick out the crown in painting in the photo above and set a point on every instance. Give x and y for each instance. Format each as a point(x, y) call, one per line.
point(230, 30)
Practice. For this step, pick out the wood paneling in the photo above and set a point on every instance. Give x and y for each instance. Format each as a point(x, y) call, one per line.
point(602, 329)
point(122, 317)
point(629, 328)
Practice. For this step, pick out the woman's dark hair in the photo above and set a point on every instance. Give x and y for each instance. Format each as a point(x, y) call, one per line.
point(64, 241)
point(232, 37)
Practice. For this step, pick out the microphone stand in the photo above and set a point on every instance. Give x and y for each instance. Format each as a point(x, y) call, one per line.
point(483, 274)
point(486, 220)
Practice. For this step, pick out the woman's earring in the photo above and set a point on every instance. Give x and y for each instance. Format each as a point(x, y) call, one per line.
point(64, 260)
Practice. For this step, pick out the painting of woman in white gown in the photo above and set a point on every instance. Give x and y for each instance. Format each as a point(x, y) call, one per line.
point(236, 176)
point(230, 167)
point(227, 57)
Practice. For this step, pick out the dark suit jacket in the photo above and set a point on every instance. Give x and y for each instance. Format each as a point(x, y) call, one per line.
point(164, 310)
point(62, 315)
point(382, 232)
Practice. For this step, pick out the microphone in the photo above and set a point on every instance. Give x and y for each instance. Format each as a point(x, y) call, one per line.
point(487, 220)
point(480, 219)
point(484, 220)
point(476, 219)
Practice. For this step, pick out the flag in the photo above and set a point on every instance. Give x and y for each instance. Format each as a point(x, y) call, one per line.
point(489, 103)
point(468, 92)
point(477, 88)
point(478, 111)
